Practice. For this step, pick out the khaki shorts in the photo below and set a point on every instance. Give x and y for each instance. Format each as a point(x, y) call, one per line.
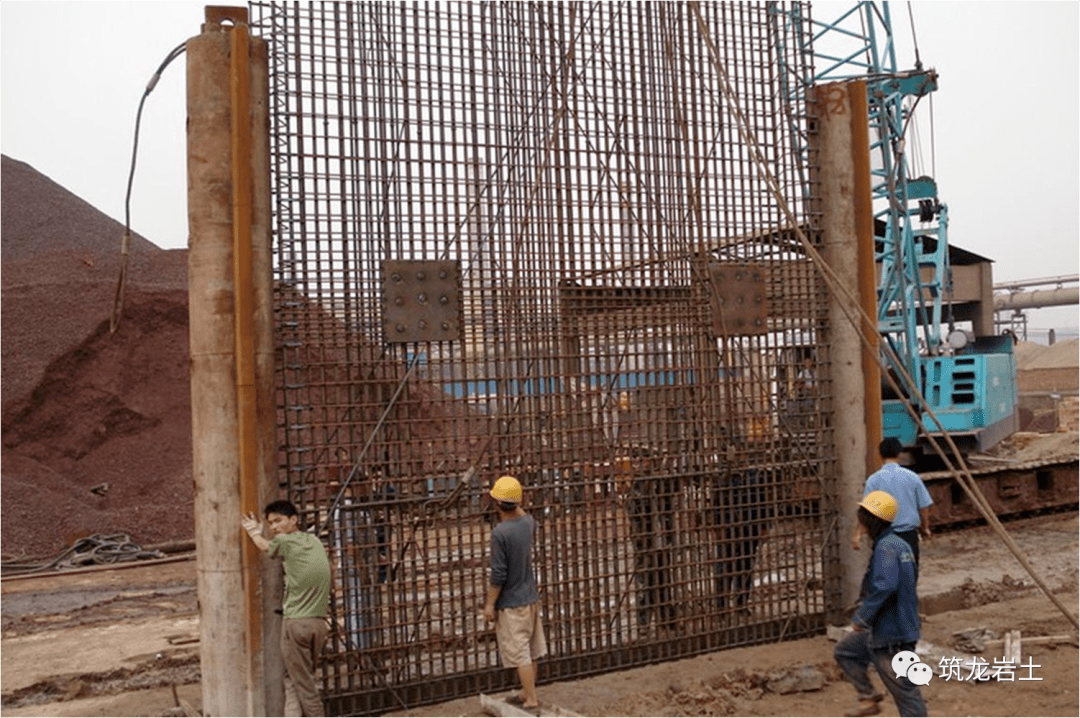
point(520, 634)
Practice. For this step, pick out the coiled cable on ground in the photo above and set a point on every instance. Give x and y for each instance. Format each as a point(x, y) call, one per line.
point(94, 550)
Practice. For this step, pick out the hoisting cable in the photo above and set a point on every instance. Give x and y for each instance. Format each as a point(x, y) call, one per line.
point(914, 39)
point(933, 146)
point(918, 66)
point(125, 244)
point(859, 319)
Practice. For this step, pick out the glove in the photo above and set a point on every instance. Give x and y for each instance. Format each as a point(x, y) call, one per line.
point(252, 525)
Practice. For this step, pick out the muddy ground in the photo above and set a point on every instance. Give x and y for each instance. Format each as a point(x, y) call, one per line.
point(121, 642)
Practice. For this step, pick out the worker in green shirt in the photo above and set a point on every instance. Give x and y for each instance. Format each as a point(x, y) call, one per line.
point(307, 595)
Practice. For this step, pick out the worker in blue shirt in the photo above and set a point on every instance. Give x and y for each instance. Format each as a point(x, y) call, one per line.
point(913, 501)
point(887, 620)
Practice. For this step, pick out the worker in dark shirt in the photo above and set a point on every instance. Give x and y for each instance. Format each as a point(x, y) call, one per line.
point(513, 601)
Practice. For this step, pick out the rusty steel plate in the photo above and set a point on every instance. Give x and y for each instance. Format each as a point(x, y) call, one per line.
point(421, 301)
point(739, 298)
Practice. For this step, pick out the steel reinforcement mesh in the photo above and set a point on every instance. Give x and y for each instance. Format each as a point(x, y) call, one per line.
point(553, 241)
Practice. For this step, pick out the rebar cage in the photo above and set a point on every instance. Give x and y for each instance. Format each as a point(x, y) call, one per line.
point(554, 241)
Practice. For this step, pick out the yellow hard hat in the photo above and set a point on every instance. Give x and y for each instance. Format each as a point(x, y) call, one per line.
point(880, 504)
point(507, 489)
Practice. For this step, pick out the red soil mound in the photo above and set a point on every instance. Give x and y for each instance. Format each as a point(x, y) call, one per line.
point(97, 426)
point(83, 408)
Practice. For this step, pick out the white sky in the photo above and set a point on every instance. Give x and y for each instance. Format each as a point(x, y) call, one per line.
point(1006, 118)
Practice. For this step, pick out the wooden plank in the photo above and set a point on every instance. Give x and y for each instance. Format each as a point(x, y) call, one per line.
point(181, 639)
point(497, 706)
point(1034, 641)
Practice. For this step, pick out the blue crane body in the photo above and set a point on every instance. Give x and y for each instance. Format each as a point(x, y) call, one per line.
point(953, 381)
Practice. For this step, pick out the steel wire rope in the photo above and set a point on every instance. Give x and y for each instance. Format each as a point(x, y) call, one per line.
point(918, 66)
point(897, 211)
point(933, 140)
point(859, 319)
point(125, 245)
point(97, 549)
point(914, 37)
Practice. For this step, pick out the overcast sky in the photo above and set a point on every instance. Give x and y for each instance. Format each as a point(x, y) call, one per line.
point(1006, 119)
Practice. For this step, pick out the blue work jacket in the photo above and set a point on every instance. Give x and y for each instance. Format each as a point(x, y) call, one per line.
point(889, 608)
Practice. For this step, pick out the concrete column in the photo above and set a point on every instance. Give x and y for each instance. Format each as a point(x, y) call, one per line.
point(982, 322)
point(232, 418)
point(846, 216)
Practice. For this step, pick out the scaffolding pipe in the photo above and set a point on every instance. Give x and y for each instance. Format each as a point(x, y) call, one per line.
point(1057, 280)
point(230, 305)
point(843, 216)
point(1037, 299)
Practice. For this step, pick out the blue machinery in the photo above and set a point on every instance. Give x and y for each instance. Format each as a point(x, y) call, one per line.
point(969, 383)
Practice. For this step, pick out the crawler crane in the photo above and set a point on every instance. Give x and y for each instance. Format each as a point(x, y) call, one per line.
point(964, 385)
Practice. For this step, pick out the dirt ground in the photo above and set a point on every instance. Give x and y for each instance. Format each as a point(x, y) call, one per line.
point(118, 642)
point(81, 406)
